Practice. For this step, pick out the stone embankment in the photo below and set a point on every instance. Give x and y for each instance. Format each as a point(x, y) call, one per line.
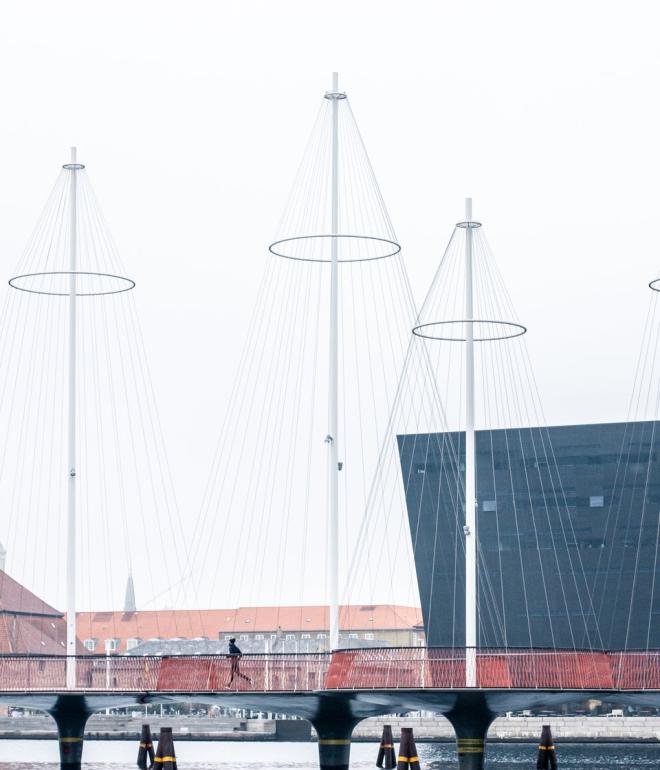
point(121, 727)
point(579, 728)
point(117, 727)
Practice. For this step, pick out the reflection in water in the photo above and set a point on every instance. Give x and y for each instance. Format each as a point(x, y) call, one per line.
point(216, 755)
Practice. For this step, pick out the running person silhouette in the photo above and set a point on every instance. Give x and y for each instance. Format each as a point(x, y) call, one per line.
point(234, 656)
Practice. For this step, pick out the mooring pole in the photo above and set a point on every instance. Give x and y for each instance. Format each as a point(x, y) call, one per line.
point(470, 459)
point(333, 383)
point(71, 517)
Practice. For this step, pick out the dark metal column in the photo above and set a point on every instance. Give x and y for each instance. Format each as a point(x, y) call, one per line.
point(334, 726)
point(70, 714)
point(471, 718)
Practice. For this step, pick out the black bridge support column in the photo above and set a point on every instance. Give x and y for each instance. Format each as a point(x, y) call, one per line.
point(471, 718)
point(70, 714)
point(334, 726)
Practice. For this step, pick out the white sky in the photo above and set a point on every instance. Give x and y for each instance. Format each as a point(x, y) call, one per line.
point(192, 117)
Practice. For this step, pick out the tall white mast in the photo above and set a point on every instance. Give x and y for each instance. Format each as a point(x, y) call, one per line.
point(333, 382)
point(470, 492)
point(432, 327)
point(335, 132)
point(71, 518)
point(54, 282)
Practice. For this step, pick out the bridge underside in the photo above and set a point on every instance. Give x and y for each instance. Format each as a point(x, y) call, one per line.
point(334, 714)
point(360, 704)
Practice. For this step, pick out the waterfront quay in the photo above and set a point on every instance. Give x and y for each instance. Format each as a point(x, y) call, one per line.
point(427, 729)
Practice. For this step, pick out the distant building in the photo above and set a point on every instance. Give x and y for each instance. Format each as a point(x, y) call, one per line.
point(27, 623)
point(567, 521)
point(257, 629)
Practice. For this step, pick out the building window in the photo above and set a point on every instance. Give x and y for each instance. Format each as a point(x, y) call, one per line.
point(244, 637)
point(273, 636)
point(369, 637)
point(588, 542)
point(90, 644)
point(489, 505)
point(596, 501)
point(352, 636)
point(111, 645)
point(305, 636)
point(321, 636)
point(131, 644)
point(259, 636)
point(290, 636)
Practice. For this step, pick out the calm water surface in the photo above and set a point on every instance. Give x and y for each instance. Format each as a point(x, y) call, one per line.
point(121, 755)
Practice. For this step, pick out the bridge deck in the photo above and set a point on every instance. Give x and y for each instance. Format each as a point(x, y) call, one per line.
point(370, 669)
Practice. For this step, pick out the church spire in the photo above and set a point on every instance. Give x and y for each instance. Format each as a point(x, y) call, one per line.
point(129, 597)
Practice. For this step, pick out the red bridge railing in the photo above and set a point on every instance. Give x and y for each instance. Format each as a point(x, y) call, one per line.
point(178, 673)
point(501, 669)
point(368, 669)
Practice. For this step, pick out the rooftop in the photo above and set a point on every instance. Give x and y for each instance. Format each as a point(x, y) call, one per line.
point(197, 624)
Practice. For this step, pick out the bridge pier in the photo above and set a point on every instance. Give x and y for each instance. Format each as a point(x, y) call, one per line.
point(470, 717)
point(70, 714)
point(334, 726)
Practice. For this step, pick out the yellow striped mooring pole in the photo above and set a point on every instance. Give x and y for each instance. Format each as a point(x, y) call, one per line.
point(547, 759)
point(386, 754)
point(408, 759)
point(165, 758)
point(146, 752)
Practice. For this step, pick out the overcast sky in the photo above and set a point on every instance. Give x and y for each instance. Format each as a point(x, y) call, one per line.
point(192, 117)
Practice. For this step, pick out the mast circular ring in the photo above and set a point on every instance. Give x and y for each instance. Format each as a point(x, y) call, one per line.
point(294, 248)
point(655, 285)
point(472, 225)
point(334, 95)
point(56, 283)
point(73, 166)
point(510, 330)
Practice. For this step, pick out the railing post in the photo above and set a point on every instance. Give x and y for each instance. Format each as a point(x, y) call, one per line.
point(425, 657)
point(267, 681)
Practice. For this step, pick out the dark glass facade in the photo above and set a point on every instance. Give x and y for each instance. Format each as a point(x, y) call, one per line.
point(568, 521)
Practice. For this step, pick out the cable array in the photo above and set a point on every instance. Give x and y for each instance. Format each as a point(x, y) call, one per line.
point(128, 520)
point(625, 573)
point(532, 586)
point(261, 537)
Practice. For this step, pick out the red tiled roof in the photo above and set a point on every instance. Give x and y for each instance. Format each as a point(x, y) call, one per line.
point(168, 624)
point(28, 624)
point(24, 634)
point(44, 636)
point(16, 598)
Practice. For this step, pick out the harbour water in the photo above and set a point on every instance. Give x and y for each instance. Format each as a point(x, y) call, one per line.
point(121, 755)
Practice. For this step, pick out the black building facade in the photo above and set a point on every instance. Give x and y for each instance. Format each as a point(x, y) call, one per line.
point(568, 520)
